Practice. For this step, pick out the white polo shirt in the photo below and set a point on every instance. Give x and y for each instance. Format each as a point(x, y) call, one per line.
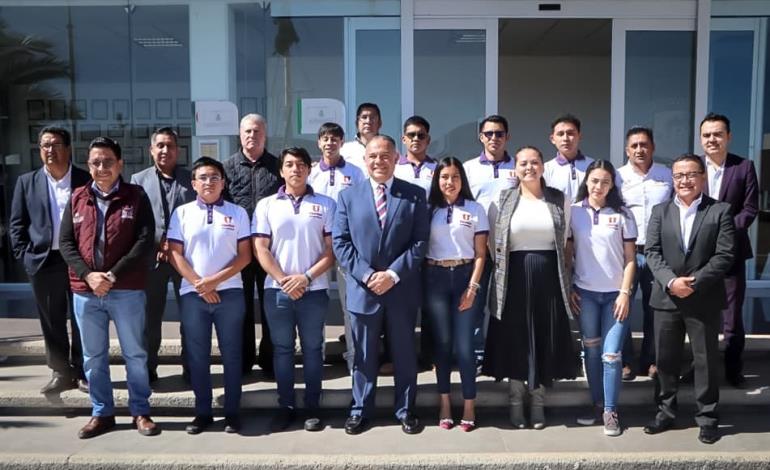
point(643, 192)
point(566, 175)
point(209, 234)
point(453, 229)
point(488, 179)
point(296, 228)
point(598, 238)
point(330, 180)
point(421, 175)
point(354, 152)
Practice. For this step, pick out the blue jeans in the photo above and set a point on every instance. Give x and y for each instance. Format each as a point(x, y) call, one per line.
point(452, 329)
point(197, 319)
point(306, 315)
point(480, 311)
point(603, 338)
point(126, 309)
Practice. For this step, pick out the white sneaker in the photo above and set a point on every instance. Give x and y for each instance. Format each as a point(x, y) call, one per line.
point(592, 418)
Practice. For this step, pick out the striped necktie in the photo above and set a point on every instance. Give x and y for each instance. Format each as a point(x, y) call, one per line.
point(382, 206)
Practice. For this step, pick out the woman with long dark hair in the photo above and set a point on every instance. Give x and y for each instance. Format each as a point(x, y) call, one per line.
point(603, 235)
point(453, 267)
point(529, 340)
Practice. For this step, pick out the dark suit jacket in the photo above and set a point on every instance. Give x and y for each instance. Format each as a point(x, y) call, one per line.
point(709, 255)
point(739, 188)
point(362, 248)
point(183, 193)
point(30, 226)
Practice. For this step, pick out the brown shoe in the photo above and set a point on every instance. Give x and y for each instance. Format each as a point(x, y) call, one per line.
point(96, 426)
point(146, 426)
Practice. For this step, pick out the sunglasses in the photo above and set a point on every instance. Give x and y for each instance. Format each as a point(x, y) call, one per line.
point(416, 135)
point(490, 134)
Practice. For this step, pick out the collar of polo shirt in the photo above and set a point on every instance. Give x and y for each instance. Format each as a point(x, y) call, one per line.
point(324, 167)
point(282, 194)
point(218, 202)
point(562, 160)
point(486, 161)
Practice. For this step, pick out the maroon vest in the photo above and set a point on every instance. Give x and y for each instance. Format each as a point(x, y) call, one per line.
point(120, 234)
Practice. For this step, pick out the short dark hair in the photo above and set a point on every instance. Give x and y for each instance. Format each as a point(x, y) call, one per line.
point(106, 143)
point(568, 118)
point(528, 147)
point(435, 198)
point(614, 200)
point(364, 106)
point(640, 130)
point(208, 161)
point(417, 121)
point(56, 130)
point(166, 130)
point(716, 117)
point(690, 157)
point(495, 118)
point(386, 138)
point(331, 128)
point(298, 152)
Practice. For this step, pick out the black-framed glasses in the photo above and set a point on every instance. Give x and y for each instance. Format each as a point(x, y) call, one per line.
point(52, 146)
point(416, 135)
point(490, 134)
point(106, 164)
point(690, 175)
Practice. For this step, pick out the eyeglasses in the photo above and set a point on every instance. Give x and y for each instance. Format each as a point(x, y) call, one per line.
point(105, 164)
point(690, 176)
point(416, 135)
point(490, 134)
point(54, 146)
point(209, 178)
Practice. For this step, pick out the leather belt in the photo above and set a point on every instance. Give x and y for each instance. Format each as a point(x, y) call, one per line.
point(448, 263)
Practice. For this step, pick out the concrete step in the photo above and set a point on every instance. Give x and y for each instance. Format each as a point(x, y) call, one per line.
point(20, 382)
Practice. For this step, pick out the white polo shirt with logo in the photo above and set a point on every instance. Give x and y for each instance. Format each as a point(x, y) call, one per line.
point(598, 238)
point(566, 175)
point(453, 230)
point(488, 178)
point(209, 234)
point(354, 152)
point(296, 228)
point(330, 180)
point(421, 175)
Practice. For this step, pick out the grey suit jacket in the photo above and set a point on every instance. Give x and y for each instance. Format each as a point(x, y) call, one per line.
point(709, 255)
point(500, 214)
point(182, 189)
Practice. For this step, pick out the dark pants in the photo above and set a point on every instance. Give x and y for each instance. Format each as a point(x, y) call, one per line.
point(643, 281)
point(156, 291)
point(732, 319)
point(51, 287)
point(366, 331)
point(702, 327)
point(251, 274)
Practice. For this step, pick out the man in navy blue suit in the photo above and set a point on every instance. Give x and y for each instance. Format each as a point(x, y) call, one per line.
point(380, 237)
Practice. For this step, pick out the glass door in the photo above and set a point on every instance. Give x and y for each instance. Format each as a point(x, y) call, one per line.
point(455, 81)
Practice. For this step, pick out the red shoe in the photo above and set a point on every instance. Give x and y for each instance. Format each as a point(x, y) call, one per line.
point(467, 426)
point(446, 423)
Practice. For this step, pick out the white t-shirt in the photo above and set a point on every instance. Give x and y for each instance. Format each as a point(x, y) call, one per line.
point(209, 234)
point(330, 180)
point(488, 179)
point(643, 192)
point(453, 229)
point(566, 175)
point(354, 152)
point(296, 229)
point(421, 175)
point(531, 227)
point(598, 238)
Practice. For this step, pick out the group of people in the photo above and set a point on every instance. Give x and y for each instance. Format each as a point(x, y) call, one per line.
point(497, 255)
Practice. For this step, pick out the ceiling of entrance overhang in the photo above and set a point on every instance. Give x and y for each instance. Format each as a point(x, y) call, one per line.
point(539, 37)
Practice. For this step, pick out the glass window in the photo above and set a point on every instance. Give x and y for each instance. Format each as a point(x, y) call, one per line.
point(97, 71)
point(378, 77)
point(660, 69)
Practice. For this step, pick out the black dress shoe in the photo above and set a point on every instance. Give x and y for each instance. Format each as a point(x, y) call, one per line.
point(736, 380)
point(58, 384)
point(355, 424)
point(708, 434)
point(199, 424)
point(313, 422)
point(658, 426)
point(282, 419)
point(232, 424)
point(410, 424)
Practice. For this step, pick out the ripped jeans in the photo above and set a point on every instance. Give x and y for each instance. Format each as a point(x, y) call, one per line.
point(602, 345)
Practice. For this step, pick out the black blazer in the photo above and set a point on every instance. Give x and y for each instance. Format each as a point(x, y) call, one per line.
point(709, 255)
point(30, 227)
